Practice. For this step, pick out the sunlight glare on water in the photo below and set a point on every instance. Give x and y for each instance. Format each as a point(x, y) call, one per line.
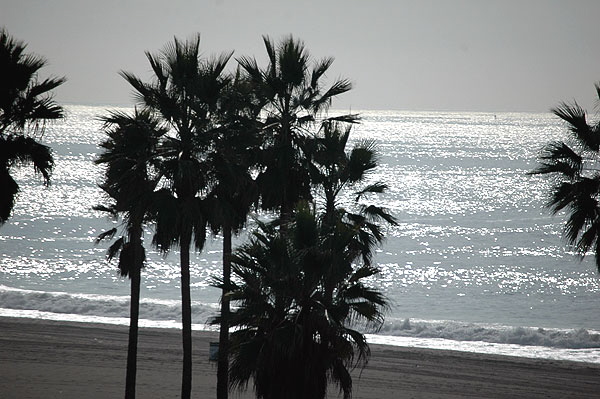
point(473, 243)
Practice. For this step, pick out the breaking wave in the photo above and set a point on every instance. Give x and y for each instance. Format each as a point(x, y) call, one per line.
point(100, 306)
point(167, 313)
point(527, 336)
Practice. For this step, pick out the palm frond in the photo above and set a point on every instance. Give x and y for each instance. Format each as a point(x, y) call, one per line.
point(115, 248)
point(583, 212)
point(363, 272)
point(558, 157)
point(167, 216)
point(21, 150)
point(375, 188)
point(8, 194)
point(339, 87)
point(319, 70)
point(346, 118)
point(271, 53)
point(569, 192)
point(575, 116)
point(587, 238)
point(27, 103)
point(376, 214)
point(106, 235)
point(45, 86)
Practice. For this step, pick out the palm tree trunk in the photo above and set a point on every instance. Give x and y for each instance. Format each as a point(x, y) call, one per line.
point(186, 316)
point(223, 360)
point(135, 235)
point(134, 313)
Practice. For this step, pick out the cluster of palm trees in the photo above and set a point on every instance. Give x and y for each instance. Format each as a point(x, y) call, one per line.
point(203, 148)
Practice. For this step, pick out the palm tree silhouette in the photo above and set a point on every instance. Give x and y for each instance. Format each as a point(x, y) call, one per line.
point(26, 104)
point(293, 97)
point(299, 286)
point(185, 93)
point(577, 184)
point(130, 178)
point(302, 288)
point(232, 160)
point(293, 336)
point(334, 172)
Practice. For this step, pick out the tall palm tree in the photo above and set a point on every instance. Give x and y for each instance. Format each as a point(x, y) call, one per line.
point(300, 286)
point(577, 184)
point(130, 178)
point(294, 97)
point(292, 336)
point(232, 159)
point(26, 105)
point(184, 91)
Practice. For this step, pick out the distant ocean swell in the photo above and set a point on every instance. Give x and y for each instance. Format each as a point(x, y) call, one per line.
point(167, 313)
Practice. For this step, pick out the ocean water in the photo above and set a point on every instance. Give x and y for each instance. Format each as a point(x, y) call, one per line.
point(476, 262)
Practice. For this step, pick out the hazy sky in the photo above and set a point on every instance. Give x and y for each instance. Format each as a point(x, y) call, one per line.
point(480, 55)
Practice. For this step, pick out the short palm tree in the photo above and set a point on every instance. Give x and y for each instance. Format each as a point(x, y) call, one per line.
point(26, 105)
point(577, 185)
point(185, 93)
point(129, 156)
point(293, 95)
point(293, 336)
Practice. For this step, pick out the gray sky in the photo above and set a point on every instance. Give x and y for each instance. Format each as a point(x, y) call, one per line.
point(478, 55)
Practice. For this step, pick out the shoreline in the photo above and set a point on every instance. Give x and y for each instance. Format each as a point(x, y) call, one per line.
point(41, 358)
point(527, 342)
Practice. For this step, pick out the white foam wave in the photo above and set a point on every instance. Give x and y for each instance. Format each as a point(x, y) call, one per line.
point(526, 336)
point(123, 321)
point(167, 313)
point(587, 355)
point(99, 306)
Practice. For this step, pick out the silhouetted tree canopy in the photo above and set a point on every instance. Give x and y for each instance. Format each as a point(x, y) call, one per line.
point(26, 104)
point(576, 187)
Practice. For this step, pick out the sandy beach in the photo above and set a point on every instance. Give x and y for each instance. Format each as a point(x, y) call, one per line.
point(47, 359)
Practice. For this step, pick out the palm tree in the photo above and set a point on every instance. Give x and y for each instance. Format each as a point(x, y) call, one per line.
point(299, 287)
point(293, 97)
point(26, 105)
point(185, 93)
point(577, 184)
point(233, 192)
point(335, 171)
point(130, 155)
point(293, 336)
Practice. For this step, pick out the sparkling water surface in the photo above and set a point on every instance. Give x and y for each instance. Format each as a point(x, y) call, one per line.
point(474, 248)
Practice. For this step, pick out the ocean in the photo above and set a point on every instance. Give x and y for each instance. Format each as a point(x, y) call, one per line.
point(476, 262)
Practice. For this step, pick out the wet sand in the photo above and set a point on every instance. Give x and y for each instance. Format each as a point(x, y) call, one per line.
point(48, 359)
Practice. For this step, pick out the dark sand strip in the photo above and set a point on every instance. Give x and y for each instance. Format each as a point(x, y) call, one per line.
point(46, 359)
